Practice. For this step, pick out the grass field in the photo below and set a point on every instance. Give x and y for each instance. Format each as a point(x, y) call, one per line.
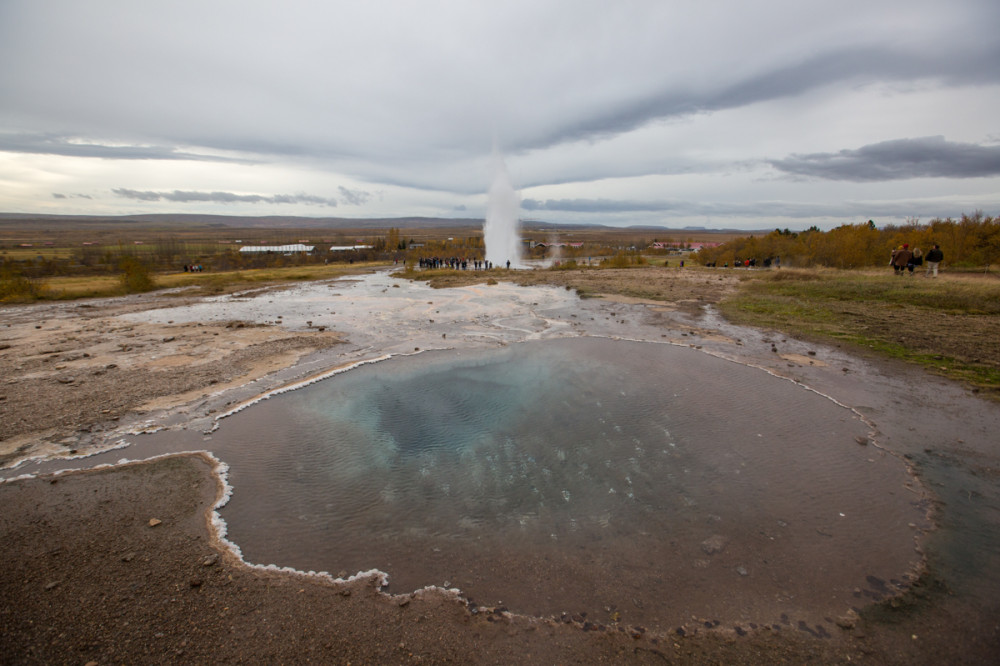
point(950, 325)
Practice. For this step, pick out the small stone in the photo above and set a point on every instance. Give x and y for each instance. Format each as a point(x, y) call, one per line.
point(713, 544)
point(742, 570)
point(863, 441)
point(404, 602)
point(210, 560)
point(153, 522)
point(53, 585)
point(195, 582)
point(128, 557)
point(847, 621)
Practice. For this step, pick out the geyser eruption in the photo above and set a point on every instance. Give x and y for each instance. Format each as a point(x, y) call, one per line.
point(502, 229)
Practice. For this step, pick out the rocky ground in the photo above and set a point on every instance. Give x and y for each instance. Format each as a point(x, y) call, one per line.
point(71, 371)
point(121, 565)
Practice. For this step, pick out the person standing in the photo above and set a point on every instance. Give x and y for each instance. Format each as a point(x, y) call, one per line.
point(916, 260)
point(933, 258)
point(900, 258)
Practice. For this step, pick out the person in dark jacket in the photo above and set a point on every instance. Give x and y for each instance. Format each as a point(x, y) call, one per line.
point(933, 258)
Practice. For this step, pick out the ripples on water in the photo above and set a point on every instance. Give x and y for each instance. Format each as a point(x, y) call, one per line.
point(650, 481)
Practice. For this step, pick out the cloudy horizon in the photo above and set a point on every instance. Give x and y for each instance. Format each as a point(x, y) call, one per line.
point(673, 113)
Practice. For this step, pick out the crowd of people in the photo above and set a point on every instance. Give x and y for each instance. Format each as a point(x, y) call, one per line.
point(748, 263)
point(904, 260)
point(457, 264)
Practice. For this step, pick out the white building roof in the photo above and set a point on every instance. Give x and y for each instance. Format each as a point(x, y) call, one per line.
point(277, 248)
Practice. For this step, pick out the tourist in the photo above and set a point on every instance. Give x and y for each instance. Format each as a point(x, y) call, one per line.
point(916, 260)
point(934, 257)
point(900, 258)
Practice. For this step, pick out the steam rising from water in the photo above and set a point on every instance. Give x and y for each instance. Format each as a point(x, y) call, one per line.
point(502, 230)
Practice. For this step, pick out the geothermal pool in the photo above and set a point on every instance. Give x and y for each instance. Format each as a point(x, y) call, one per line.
point(611, 480)
point(608, 480)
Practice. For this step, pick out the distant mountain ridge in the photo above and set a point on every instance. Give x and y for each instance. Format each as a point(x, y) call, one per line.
point(244, 221)
point(297, 222)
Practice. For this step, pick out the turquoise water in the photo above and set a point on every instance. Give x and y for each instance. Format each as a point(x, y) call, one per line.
point(582, 475)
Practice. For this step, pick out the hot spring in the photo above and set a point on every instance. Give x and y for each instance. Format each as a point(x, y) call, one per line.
point(639, 482)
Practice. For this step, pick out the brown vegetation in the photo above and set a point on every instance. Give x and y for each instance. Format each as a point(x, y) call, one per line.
point(972, 242)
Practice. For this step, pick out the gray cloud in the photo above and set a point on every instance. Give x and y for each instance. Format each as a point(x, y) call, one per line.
point(928, 157)
point(675, 105)
point(976, 66)
point(52, 144)
point(58, 195)
point(595, 205)
point(189, 196)
point(354, 197)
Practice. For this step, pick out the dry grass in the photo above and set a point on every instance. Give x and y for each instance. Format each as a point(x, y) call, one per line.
point(70, 288)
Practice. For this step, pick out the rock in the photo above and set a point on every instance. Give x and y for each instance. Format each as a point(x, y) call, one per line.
point(169, 338)
point(153, 522)
point(863, 441)
point(714, 544)
point(128, 557)
point(210, 560)
point(65, 380)
point(742, 570)
point(847, 621)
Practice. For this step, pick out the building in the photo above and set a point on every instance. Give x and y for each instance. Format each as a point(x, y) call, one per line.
point(283, 249)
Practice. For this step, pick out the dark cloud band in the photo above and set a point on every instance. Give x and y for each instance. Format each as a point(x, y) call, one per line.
point(52, 144)
point(928, 157)
point(190, 196)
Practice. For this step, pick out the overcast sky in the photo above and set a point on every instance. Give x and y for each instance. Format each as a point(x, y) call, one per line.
point(678, 113)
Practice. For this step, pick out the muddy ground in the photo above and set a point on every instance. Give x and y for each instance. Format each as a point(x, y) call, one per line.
point(122, 564)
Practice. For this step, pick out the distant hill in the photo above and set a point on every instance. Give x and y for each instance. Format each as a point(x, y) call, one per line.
point(195, 221)
point(237, 221)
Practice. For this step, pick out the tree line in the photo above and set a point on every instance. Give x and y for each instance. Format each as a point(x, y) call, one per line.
point(970, 242)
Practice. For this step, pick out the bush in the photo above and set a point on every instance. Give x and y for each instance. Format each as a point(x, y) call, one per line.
point(17, 288)
point(136, 277)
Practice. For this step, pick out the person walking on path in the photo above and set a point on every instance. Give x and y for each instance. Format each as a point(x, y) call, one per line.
point(933, 258)
point(900, 258)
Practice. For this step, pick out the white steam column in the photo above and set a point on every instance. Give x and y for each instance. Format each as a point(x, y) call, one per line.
point(502, 230)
